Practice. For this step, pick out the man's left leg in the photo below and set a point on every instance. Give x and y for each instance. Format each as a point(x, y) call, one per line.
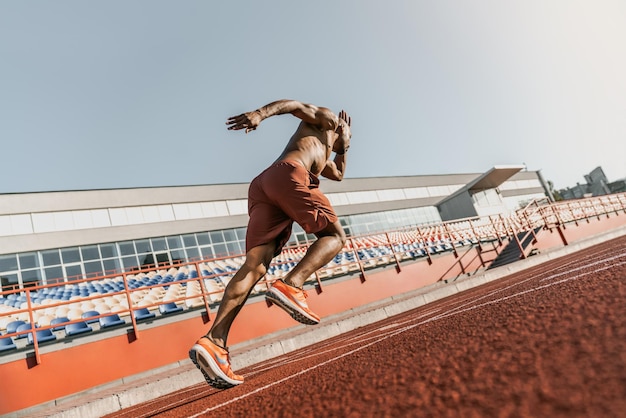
point(288, 293)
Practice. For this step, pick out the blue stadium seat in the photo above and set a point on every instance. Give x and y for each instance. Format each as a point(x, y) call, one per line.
point(77, 328)
point(169, 308)
point(111, 321)
point(43, 336)
point(6, 344)
point(143, 314)
point(88, 316)
point(22, 328)
point(60, 322)
point(12, 326)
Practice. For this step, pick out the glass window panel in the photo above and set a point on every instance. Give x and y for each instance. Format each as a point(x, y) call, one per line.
point(8, 262)
point(29, 276)
point(147, 260)
point(233, 248)
point(217, 237)
point(190, 240)
point(73, 272)
point(51, 257)
point(241, 234)
point(54, 274)
point(159, 244)
point(174, 242)
point(111, 266)
point(93, 268)
point(207, 252)
point(193, 253)
point(127, 248)
point(90, 252)
point(130, 262)
point(229, 235)
point(203, 238)
point(177, 255)
point(28, 260)
point(108, 250)
point(220, 250)
point(70, 255)
point(300, 237)
point(8, 279)
point(143, 246)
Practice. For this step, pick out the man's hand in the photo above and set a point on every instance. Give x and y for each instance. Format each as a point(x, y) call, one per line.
point(344, 130)
point(248, 121)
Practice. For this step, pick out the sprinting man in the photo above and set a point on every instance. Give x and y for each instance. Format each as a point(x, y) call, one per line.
point(285, 192)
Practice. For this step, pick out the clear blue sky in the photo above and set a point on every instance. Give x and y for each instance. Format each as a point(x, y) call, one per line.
point(116, 94)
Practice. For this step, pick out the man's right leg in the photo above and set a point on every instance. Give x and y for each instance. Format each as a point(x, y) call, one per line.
point(210, 353)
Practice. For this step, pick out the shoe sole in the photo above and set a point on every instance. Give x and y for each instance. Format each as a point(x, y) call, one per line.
point(280, 300)
point(209, 368)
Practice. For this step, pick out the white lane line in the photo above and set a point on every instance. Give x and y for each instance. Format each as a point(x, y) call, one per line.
point(573, 270)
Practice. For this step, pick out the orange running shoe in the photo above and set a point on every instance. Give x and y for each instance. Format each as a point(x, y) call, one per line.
point(214, 363)
point(293, 301)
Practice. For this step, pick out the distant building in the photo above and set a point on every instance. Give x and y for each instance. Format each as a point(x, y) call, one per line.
point(596, 184)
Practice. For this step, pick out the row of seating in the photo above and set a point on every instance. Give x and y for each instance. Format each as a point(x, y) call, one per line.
point(70, 328)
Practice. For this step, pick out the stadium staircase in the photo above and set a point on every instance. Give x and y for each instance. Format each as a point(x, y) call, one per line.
point(518, 247)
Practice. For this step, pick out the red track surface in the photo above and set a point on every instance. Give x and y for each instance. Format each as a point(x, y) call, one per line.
point(546, 342)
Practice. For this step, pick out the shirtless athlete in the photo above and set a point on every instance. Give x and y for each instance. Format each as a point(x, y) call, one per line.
point(285, 192)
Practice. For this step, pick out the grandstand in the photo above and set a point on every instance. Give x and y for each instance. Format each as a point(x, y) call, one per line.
point(104, 285)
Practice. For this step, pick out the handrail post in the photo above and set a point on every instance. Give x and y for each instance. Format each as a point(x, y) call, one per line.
point(393, 251)
point(445, 227)
point(205, 296)
point(480, 244)
point(318, 287)
point(130, 305)
point(33, 330)
point(423, 240)
point(358, 260)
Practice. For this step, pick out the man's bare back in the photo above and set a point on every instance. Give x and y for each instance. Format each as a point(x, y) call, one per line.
point(319, 134)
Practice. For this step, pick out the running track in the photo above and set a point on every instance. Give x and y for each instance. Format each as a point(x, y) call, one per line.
point(546, 342)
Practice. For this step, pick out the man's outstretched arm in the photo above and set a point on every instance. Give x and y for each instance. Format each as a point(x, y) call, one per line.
point(318, 116)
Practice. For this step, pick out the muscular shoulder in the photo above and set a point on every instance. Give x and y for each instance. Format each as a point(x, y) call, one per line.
point(325, 119)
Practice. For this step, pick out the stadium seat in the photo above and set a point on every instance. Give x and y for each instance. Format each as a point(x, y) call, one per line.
point(12, 326)
point(43, 336)
point(88, 316)
point(143, 314)
point(22, 328)
point(6, 344)
point(169, 308)
point(77, 328)
point(111, 321)
point(60, 322)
